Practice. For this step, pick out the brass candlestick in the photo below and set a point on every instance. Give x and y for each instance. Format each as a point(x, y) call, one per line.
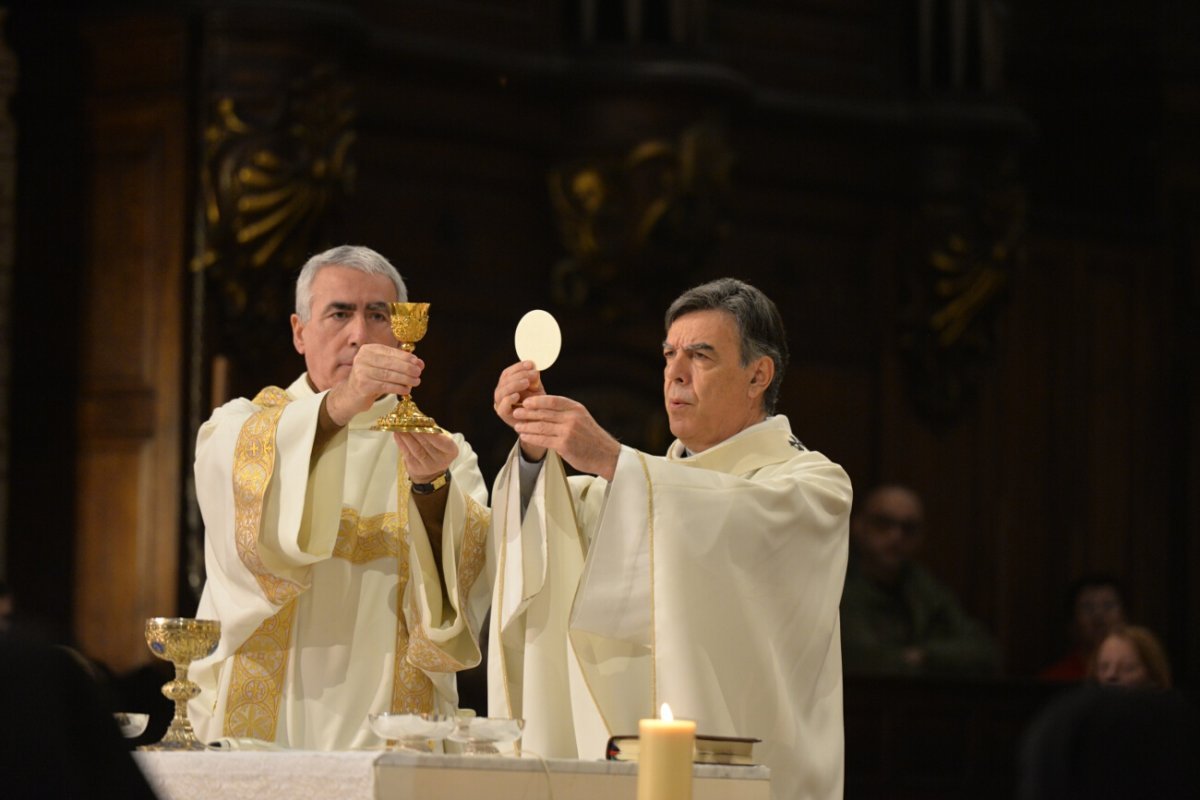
point(409, 323)
point(181, 641)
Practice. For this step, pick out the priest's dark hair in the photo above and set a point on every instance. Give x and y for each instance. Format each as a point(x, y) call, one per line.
point(758, 321)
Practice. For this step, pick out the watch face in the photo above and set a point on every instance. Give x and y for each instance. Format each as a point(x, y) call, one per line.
point(429, 488)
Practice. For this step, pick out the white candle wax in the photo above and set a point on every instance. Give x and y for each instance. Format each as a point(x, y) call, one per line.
point(665, 752)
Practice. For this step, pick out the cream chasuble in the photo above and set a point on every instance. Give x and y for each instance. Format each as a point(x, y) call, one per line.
point(329, 599)
point(710, 582)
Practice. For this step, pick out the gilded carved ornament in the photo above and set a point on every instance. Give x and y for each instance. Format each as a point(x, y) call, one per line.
point(659, 204)
point(949, 321)
point(272, 174)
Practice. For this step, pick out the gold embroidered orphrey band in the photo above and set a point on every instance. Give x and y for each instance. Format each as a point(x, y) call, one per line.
point(260, 664)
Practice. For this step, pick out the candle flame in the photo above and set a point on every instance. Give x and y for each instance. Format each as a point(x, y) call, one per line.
point(664, 713)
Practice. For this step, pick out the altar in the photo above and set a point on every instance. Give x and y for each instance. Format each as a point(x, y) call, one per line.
point(398, 775)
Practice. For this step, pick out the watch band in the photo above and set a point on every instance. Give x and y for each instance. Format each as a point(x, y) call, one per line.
point(430, 488)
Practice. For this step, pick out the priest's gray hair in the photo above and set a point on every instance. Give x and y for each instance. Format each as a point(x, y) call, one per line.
point(758, 322)
point(363, 259)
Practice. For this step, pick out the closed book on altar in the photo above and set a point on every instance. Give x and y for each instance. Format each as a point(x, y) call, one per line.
point(709, 749)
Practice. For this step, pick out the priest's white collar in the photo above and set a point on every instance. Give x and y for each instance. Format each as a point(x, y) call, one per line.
point(678, 450)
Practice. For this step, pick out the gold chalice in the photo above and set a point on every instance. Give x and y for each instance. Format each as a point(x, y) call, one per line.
point(181, 641)
point(409, 323)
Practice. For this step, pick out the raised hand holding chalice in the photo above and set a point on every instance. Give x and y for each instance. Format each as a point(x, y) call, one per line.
point(409, 324)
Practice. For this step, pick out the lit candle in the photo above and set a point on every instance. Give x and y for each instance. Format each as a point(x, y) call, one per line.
point(665, 752)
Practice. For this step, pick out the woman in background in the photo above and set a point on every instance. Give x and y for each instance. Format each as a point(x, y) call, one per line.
point(1124, 734)
point(1132, 656)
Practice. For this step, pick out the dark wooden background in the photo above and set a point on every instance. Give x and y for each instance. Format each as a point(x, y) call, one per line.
point(848, 160)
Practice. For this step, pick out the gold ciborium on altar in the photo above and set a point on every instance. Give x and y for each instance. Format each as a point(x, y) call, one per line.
point(409, 323)
point(181, 641)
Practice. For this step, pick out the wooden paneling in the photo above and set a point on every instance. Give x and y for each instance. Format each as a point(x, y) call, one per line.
point(131, 357)
point(1080, 430)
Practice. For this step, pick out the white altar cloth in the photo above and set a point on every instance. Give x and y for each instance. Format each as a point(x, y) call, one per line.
point(379, 775)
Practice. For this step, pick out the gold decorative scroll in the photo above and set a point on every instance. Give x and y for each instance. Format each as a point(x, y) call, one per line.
point(659, 205)
point(273, 170)
point(948, 316)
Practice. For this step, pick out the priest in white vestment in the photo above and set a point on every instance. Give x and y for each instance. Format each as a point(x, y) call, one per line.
point(341, 561)
point(708, 579)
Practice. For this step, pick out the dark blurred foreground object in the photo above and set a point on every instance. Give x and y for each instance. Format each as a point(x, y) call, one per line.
point(1101, 742)
point(140, 690)
point(57, 734)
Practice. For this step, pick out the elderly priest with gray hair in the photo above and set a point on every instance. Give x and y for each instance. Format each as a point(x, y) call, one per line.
point(342, 561)
point(708, 578)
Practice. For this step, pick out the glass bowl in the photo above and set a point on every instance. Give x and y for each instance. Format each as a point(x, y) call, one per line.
point(412, 731)
point(131, 725)
point(480, 735)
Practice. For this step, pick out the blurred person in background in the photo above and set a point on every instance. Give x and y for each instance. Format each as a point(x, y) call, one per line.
point(897, 618)
point(1132, 656)
point(1095, 605)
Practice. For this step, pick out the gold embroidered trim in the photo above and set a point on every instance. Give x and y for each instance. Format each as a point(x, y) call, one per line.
point(272, 396)
point(412, 690)
point(256, 686)
point(364, 539)
point(473, 555)
point(253, 465)
point(426, 655)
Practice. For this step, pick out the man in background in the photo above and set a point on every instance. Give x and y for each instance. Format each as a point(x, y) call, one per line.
point(897, 619)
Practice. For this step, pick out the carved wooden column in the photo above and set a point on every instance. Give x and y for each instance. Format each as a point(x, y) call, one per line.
point(130, 410)
point(247, 170)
